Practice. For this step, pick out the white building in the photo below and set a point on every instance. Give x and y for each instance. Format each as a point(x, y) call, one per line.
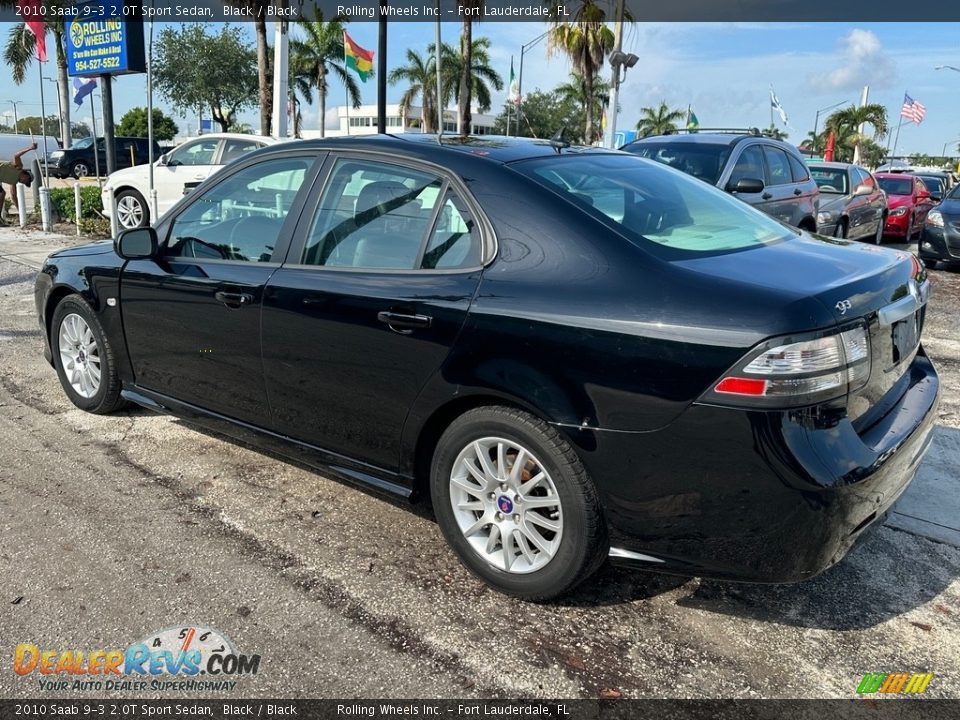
point(363, 121)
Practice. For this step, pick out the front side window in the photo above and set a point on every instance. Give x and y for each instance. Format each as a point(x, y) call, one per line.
point(200, 152)
point(240, 218)
point(373, 215)
point(749, 166)
point(778, 167)
point(654, 205)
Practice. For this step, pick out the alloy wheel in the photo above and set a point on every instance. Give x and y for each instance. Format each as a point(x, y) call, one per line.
point(80, 170)
point(79, 355)
point(129, 212)
point(506, 505)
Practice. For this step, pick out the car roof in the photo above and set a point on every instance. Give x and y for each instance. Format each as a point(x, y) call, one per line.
point(493, 148)
point(234, 136)
point(831, 164)
point(893, 175)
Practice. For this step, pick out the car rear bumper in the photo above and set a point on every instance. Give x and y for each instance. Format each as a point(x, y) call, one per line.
point(940, 243)
point(757, 496)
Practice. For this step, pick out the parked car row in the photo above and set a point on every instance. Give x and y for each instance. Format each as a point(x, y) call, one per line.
point(575, 353)
point(86, 155)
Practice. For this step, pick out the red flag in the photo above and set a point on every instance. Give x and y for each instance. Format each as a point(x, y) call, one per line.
point(831, 147)
point(30, 9)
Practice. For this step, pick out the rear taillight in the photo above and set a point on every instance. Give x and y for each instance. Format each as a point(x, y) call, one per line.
point(795, 373)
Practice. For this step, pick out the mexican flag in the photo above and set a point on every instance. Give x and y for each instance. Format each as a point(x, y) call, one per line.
point(356, 58)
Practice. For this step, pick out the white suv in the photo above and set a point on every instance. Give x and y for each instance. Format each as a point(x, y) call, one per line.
point(174, 173)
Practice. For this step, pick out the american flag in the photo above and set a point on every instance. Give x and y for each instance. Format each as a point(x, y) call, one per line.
point(912, 110)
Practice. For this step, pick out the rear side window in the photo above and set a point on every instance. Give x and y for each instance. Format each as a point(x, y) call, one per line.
point(378, 216)
point(655, 204)
point(778, 167)
point(801, 173)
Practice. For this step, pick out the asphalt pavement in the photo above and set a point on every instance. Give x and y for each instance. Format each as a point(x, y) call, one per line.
point(115, 527)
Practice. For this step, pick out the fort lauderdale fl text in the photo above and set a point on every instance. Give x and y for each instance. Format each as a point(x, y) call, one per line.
point(430, 10)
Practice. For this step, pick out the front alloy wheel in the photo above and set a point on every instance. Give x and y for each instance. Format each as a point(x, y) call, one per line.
point(80, 170)
point(79, 355)
point(506, 505)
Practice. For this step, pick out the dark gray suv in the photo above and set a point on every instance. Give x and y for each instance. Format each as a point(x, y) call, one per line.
point(759, 169)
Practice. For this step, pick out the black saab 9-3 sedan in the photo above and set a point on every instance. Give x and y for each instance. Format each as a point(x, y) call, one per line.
point(576, 353)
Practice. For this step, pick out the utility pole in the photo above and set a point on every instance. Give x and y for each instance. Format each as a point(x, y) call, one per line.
point(611, 131)
point(280, 75)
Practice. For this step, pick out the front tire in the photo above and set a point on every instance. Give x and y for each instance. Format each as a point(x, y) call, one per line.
point(80, 169)
point(840, 231)
point(132, 210)
point(514, 501)
point(84, 358)
point(878, 238)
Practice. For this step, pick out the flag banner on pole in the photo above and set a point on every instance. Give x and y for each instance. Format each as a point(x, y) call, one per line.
point(356, 58)
point(775, 104)
point(81, 88)
point(912, 110)
point(513, 93)
point(31, 9)
point(692, 122)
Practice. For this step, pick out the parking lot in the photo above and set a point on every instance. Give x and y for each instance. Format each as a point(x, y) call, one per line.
point(118, 526)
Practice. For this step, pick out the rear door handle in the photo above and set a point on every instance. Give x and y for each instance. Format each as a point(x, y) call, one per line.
point(404, 322)
point(797, 191)
point(233, 299)
point(766, 196)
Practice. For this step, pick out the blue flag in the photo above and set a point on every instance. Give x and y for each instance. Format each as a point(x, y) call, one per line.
point(81, 88)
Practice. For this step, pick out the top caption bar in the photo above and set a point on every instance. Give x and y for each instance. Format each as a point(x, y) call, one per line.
point(494, 10)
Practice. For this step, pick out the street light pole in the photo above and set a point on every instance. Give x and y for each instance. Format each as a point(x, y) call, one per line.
point(523, 51)
point(16, 130)
point(816, 119)
point(59, 106)
point(610, 132)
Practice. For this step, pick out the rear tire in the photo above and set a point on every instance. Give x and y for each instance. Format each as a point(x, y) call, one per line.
point(555, 533)
point(878, 238)
point(83, 357)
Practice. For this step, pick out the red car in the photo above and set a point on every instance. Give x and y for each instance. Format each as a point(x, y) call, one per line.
point(908, 201)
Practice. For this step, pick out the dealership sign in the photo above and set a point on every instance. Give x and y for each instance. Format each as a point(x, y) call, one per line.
point(100, 40)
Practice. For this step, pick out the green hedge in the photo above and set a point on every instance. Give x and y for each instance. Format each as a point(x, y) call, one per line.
point(63, 203)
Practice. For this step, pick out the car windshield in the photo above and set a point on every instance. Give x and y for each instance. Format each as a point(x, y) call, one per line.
point(702, 160)
point(830, 180)
point(655, 204)
point(896, 186)
point(83, 143)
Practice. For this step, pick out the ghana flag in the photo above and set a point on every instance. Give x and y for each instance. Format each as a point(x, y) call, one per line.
point(357, 58)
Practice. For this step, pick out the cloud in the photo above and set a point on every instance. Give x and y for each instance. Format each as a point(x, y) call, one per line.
point(861, 60)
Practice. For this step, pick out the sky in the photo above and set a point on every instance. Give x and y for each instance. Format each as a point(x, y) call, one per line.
point(722, 70)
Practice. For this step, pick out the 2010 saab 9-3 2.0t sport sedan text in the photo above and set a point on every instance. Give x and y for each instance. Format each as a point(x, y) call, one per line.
point(576, 353)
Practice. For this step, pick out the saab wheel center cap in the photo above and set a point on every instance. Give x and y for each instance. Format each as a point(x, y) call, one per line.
point(505, 504)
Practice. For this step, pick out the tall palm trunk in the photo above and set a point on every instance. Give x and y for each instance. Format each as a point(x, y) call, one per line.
point(63, 88)
point(466, 48)
point(322, 94)
point(588, 85)
point(263, 72)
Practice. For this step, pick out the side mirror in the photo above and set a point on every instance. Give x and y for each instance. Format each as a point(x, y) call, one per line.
point(746, 185)
point(163, 159)
point(863, 190)
point(137, 244)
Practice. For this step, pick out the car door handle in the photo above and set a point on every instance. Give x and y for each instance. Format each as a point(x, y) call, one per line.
point(233, 299)
point(403, 321)
point(766, 196)
point(797, 191)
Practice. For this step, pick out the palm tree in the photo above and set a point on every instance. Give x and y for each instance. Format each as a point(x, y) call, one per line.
point(466, 84)
point(586, 40)
point(20, 51)
point(421, 73)
point(482, 76)
point(660, 120)
point(847, 121)
point(319, 54)
point(575, 90)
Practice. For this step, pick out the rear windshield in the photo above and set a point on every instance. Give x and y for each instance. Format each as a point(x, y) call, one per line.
point(656, 204)
point(702, 160)
point(896, 186)
point(830, 180)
